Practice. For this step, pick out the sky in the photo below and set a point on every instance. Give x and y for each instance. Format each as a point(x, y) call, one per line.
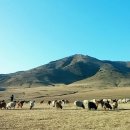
point(35, 32)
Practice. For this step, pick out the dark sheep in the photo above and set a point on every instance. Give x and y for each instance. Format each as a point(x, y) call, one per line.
point(58, 105)
point(41, 102)
point(20, 104)
point(49, 102)
point(3, 104)
point(92, 105)
point(79, 104)
point(105, 105)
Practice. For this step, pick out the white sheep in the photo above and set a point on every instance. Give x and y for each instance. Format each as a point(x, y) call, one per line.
point(32, 103)
point(85, 102)
point(11, 105)
point(53, 103)
point(119, 100)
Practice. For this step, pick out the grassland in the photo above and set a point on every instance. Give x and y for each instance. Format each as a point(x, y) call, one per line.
point(44, 117)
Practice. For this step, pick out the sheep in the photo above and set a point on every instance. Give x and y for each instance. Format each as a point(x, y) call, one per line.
point(53, 103)
point(62, 102)
point(49, 102)
point(32, 103)
point(11, 105)
point(92, 105)
point(105, 104)
point(3, 104)
point(110, 100)
point(125, 100)
point(58, 105)
point(119, 100)
point(20, 104)
point(115, 104)
point(66, 101)
point(104, 100)
point(85, 102)
point(94, 100)
point(41, 102)
point(79, 104)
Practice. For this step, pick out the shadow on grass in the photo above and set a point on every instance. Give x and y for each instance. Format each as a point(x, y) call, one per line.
point(102, 110)
point(123, 109)
point(68, 109)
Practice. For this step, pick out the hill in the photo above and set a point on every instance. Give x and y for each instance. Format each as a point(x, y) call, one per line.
point(76, 69)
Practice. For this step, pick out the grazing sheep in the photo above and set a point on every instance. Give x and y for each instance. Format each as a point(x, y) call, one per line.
point(11, 105)
point(114, 100)
point(58, 105)
point(53, 103)
point(94, 100)
point(62, 102)
point(125, 100)
point(49, 102)
point(104, 100)
point(3, 104)
point(32, 103)
point(107, 100)
point(105, 104)
point(79, 104)
point(92, 105)
point(20, 104)
point(115, 104)
point(66, 101)
point(85, 102)
point(119, 100)
point(110, 100)
point(41, 102)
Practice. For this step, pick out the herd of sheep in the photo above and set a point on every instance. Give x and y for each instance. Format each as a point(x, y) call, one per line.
point(12, 104)
point(106, 104)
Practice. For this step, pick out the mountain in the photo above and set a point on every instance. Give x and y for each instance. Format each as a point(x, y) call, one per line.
point(76, 69)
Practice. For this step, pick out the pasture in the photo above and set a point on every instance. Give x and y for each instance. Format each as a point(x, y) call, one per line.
point(45, 117)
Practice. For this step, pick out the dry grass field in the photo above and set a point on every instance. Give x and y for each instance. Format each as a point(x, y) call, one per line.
point(44, 117)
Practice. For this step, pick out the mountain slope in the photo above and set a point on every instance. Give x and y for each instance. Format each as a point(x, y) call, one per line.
point(107, 76)
point(76, 69)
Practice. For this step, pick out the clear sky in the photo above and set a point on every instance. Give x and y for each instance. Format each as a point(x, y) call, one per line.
point(35, 32)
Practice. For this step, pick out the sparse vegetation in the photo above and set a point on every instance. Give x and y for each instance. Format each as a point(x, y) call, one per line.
point(44, 116)
point(49, 118)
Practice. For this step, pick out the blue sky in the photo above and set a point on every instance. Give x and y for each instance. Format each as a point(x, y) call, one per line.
point(35, 32)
